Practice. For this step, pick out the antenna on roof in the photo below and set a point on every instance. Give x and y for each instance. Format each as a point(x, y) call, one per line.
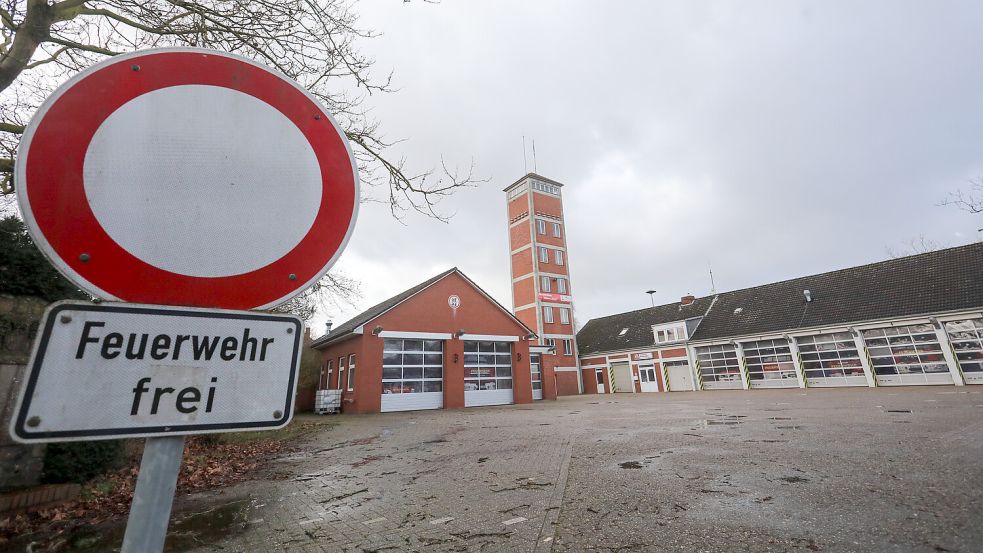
point(525, 166)
point(534, 169)
point(713, 287)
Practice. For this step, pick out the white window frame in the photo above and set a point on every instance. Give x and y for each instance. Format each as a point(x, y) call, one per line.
point(556, 230)
point(544, 255)
point(567, 347)
point(351, 372)
point(564, 315)
point(559, 257)
point(547, 314)
point(541, 226)
point(341, 372)
point(546, 284)
point(427, 370)
point(669, 333)
point(561, 286)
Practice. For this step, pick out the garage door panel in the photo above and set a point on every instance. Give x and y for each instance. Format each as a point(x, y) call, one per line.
point(412, 402)
point(480, 398)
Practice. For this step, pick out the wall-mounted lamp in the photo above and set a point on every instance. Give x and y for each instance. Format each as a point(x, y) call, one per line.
point(530, 336)
point(459, 333)
point(377, 331)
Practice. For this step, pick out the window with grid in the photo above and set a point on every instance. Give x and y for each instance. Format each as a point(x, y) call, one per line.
point(768, 359)
point(535, 371)
point(829, 355)
point(412, 366)
point(487, 366)
point(912, 349)
point(351, 372)
point(719, 363)
point(967, 341)
point(341, 373)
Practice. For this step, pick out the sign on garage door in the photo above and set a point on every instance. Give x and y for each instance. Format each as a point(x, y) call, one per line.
point(412, 374)
point(487, 373)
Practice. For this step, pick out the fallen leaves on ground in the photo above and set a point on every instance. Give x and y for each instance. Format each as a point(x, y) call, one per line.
point(207, 465)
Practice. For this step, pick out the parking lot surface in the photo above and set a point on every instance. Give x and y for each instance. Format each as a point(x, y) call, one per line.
point(766, 470)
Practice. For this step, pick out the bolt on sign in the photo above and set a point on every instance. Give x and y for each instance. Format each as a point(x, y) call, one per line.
point(191, 184)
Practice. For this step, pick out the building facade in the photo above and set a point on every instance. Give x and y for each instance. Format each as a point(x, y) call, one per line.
point(542, 297)
point(444, 343)
point(912, 321)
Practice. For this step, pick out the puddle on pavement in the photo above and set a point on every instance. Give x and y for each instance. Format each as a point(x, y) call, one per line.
point(187, 531)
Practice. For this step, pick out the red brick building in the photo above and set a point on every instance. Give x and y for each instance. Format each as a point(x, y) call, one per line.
point(444, 343)
point(541, 294)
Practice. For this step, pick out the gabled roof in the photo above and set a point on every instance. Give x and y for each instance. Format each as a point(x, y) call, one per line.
point(604, 333)
point(348, 327)
point(919, 285)
point(929, 283)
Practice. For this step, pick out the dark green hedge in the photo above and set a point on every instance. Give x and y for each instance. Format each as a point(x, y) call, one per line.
point(80, 461)
point(24, 271)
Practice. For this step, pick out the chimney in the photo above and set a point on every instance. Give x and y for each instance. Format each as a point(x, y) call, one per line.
point(686, 300)
point(328, 324)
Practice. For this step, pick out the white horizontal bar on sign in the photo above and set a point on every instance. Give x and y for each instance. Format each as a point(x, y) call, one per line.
point(490, 337)
point(418, 335)
point(540, 349)
point(564, 369)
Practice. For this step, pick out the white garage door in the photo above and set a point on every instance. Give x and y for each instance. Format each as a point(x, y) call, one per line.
point(680, 377)
point(487, 373)
point(906, 356)
point(622, 378)
point(967, 341)
point(412, 375)
point(831, 360)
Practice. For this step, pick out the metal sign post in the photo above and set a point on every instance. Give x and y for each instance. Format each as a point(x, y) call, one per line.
point(153, 496)
point(176, 177)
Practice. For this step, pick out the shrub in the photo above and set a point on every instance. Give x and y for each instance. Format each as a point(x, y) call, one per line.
point(80, 461)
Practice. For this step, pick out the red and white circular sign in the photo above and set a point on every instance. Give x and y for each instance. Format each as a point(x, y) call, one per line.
point(186, 176)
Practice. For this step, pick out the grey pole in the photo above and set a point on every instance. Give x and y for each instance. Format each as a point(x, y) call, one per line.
point(150, 511)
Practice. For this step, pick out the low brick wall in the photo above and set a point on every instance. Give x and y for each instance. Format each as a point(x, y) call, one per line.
point(38, 496)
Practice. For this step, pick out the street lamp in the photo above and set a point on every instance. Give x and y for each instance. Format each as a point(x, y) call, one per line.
point(651, 294)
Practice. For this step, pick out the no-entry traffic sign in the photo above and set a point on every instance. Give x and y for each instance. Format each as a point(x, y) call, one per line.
point(187, 177)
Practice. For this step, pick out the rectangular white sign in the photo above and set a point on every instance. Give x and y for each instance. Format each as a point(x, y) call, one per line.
point(101, 371)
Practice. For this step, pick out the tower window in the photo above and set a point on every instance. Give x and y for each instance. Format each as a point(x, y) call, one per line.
point(544, 255)
point(561, 286)
point(559, 257)
point(541, 226)
point(556, 230)
point(546, 284)
point(547, 314)
point(564, 315)
point(568, 347)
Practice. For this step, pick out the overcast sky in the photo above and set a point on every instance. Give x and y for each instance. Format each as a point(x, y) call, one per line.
point(767, 139)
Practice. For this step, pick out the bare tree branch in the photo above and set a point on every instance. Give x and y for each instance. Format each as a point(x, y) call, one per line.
point(971, 201)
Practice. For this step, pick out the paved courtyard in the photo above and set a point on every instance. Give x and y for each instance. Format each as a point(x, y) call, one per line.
point(766, 470)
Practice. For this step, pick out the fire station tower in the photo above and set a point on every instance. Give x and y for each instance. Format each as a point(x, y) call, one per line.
point(541, 293)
